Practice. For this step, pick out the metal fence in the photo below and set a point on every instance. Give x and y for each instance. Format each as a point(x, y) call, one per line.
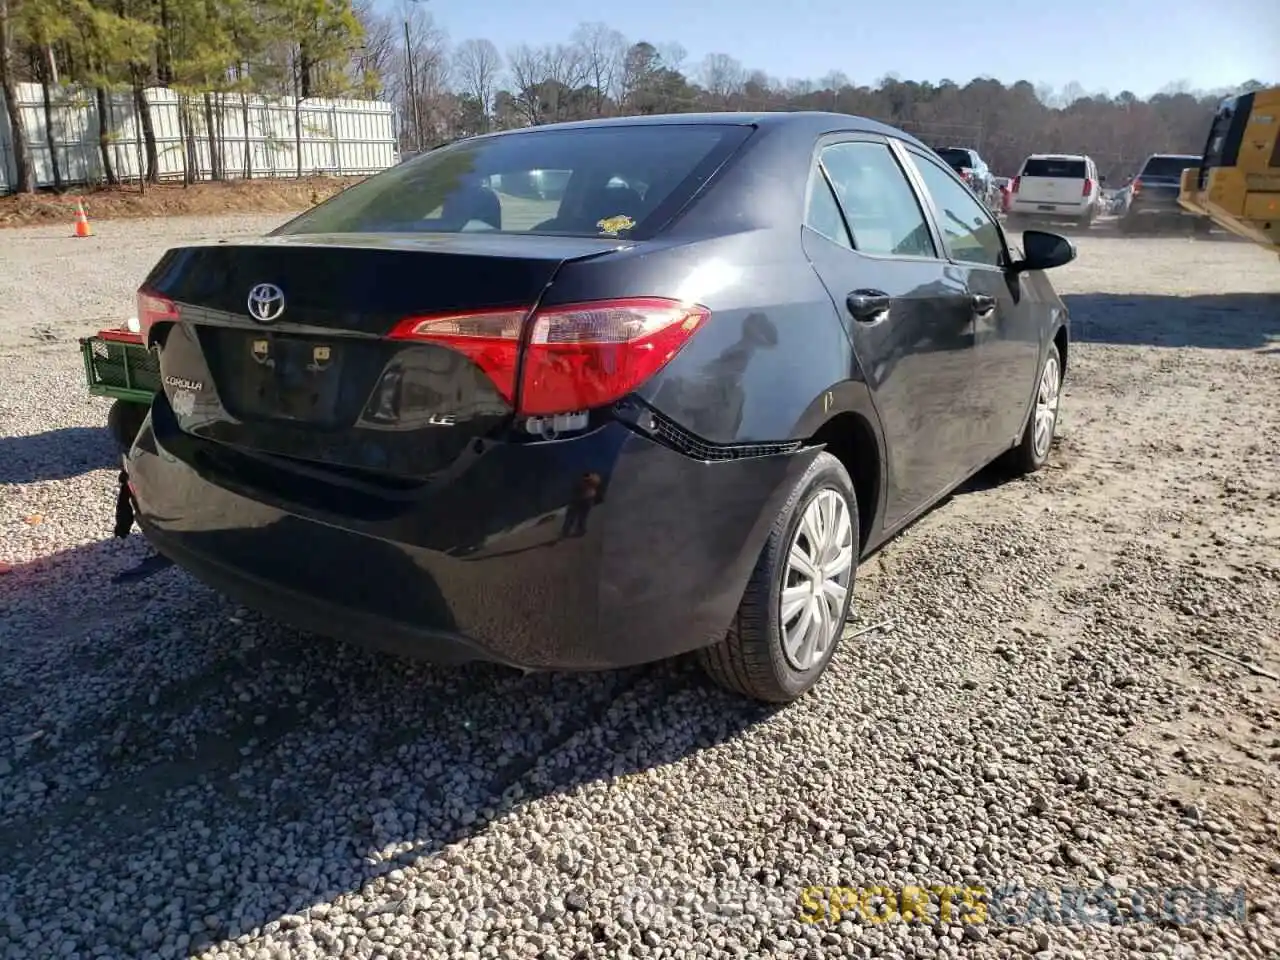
point(258, 136)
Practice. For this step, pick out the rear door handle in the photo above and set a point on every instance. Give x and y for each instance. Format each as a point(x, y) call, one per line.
point(983, 304)
point(868, 306)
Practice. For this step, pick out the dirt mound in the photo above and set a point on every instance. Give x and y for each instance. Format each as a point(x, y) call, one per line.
point(171, 200)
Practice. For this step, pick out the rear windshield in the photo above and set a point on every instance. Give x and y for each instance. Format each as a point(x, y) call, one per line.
point(1066, 169)
point(955, 157)
point(594, 182)
point(1169, 166)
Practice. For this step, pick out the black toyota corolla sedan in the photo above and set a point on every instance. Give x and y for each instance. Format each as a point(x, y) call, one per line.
point(663, 407)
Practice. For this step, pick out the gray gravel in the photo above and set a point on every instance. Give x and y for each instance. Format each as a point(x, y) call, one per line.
point(54, 285)
point(179, 777)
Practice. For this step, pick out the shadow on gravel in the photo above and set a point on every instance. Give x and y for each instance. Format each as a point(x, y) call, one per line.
point(55, 454)
point(988, 478)
point(1232, 321)
point(233, 773)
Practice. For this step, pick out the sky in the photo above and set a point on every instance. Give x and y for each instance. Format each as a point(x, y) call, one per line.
point(1111, 45)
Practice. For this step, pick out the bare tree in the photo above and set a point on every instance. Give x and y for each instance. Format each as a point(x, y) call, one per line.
point(757, 90)
point(476, 66)
point(23, 167)
point(567, 70)
point(604, 51)
point(1071, 93)
point(528, 73)
point(798, 88)
point(418, 74)
point(673, 55)
point(722, 77)
point(835, 81)
point(381, 41)
point(548, 81)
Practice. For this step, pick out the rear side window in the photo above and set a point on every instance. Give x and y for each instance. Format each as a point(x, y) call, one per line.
point(607, 181)
point(956, 157)
point(1168, 166)
point(877, 200)
point(1065, 169)
point(822, 214)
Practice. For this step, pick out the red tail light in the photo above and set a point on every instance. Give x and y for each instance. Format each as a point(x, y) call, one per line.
point(153, 309)
point(1137, 185)
point(577, 357)
point(1013, 187)
point(120, 336)
point(1087, 188)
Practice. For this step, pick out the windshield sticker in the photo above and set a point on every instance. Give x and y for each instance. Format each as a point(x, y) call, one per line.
point(615, 225)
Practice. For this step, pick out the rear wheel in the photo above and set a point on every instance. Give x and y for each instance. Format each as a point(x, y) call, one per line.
point(124, 420)
point(1032, 451)
point(794, 609)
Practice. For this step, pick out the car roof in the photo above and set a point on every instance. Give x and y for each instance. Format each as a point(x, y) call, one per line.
point(815, 123)
point(1176, 156)
point(1058, 156)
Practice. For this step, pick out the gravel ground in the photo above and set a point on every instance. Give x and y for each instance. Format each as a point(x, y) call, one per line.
point(1053, 710)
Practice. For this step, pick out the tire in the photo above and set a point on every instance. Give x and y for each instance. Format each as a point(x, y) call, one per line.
point(1029, 456)
point(124, 420)
point(753, 659)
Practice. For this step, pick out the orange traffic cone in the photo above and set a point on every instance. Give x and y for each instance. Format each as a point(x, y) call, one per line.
point(82, 221)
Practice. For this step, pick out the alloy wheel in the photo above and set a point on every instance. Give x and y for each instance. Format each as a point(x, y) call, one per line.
point(1047, 407)
point(817, 580)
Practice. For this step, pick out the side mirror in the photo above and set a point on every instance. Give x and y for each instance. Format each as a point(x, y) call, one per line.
point(1044, 251)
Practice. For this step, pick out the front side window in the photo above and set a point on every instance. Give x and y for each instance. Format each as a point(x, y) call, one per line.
point(595, 182)
point(878, 202)
point(972, 235)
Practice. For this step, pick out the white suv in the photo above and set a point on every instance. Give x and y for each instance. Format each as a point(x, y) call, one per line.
point(1053, 186)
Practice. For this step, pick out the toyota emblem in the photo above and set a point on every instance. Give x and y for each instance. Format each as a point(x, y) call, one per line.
point(266, 302)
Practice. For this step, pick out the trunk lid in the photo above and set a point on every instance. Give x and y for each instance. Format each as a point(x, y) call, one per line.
point(313, 377)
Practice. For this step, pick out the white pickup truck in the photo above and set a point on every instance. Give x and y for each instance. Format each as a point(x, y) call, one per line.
point(1056, 187)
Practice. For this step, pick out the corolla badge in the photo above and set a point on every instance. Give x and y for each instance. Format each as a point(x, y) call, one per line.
point(182, 383)
point(266, 302)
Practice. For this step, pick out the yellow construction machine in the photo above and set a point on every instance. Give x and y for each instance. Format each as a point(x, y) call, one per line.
point(1237, 184)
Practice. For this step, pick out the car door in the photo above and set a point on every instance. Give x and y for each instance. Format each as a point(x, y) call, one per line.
point(1007, 327)
point(905, 310)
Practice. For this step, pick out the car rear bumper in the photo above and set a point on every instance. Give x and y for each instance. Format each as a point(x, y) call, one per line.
point(1048, 209)
point(481, 567)
point(1157, 207)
